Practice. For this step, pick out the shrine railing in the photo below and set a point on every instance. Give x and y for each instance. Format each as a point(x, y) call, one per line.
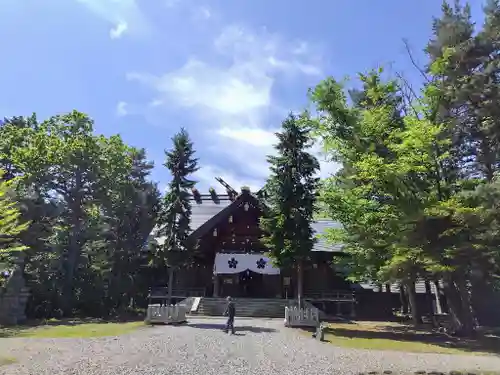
point(334, 295)
point(162, 292)
point(165, 314)
point(301, 317)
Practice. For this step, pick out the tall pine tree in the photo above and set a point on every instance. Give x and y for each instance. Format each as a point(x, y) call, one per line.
point(174, 219)
point(291, 191)
point(11, 226)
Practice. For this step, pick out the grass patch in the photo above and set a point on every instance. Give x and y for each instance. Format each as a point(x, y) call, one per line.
point(70, 328)
point(400, 337)
point(4, 361)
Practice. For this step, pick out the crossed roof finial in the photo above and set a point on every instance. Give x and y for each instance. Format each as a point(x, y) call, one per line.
point(226, 185)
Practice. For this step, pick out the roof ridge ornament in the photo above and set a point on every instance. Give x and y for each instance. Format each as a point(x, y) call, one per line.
point(226, 185)
point(214, 195)
point(196, 195)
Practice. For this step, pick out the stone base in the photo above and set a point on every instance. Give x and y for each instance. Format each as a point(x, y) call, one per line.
point(13, 307)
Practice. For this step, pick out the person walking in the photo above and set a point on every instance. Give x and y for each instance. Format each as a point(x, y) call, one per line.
point(230, 312)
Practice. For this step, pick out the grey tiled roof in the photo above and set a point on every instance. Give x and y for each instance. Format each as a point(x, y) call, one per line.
point(201, 211)
point(207, 208)
point(320, 227)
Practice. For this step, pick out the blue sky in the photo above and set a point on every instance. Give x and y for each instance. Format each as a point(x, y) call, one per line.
point(227, 71)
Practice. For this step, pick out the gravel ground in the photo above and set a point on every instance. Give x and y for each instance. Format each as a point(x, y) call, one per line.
point(259, 347)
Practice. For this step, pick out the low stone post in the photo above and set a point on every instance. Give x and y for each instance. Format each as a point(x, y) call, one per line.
point(14, 297)
point(320, 332)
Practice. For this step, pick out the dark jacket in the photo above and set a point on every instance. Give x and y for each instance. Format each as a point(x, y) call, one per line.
point(230, 310)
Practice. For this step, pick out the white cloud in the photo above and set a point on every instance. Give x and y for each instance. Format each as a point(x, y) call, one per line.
point(118, 30)
point(234, 100)
point(124, 16)
point(206, 178)
point(201, 13)
point(268, 51)
point(198, 12)
point(122, 109)
point(237, 91)
point(249, 148)
point(253, 136)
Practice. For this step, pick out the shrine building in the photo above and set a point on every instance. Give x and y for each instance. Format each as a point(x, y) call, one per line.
point(230, 260)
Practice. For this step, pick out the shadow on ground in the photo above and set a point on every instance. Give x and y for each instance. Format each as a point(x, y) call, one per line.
point(237, 328)
point(480, 343)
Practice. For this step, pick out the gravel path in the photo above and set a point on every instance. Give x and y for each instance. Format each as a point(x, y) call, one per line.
point(259, 347)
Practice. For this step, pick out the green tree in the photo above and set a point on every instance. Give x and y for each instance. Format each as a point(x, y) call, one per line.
point(173, 251)
point(78, 173)
point(90, 206)
point(387, 181)
point(407, 195)
point(291, 196)
point(11, 225)
point(463, 90)
point(129, 216)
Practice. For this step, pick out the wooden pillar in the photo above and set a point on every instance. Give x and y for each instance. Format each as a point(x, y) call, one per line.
point(428, 297)
point(439, 309)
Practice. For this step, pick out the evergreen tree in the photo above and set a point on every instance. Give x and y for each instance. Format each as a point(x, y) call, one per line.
point(291, 191)
point(90, 207)
point(174, 219)
point(464, 93)
point(128, 221)
point(11, 226)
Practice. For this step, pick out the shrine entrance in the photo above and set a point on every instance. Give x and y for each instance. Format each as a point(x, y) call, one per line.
point(251, 284)
point(246, 276)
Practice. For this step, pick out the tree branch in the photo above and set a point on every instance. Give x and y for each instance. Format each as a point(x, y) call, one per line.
point(409, 93)
point(414, 63)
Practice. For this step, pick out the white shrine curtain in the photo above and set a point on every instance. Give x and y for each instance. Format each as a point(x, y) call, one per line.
point(236, 263)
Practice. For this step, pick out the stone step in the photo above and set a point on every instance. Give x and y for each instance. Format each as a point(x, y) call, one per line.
point(248, 307)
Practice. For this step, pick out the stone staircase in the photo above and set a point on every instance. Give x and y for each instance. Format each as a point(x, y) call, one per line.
point(245, 307)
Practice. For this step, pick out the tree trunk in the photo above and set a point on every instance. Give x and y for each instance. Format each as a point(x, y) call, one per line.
point(453, 302)
point(412, 298)
point(73, 255)
point(404, 300)
point(300, 281)
point(170, 284)
point(468, 323)
point(429, 300)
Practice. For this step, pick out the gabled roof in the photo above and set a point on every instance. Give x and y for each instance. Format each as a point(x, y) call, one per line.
point(207, 213)
point(206, 208)
point(221, 213)
point(203, 210)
